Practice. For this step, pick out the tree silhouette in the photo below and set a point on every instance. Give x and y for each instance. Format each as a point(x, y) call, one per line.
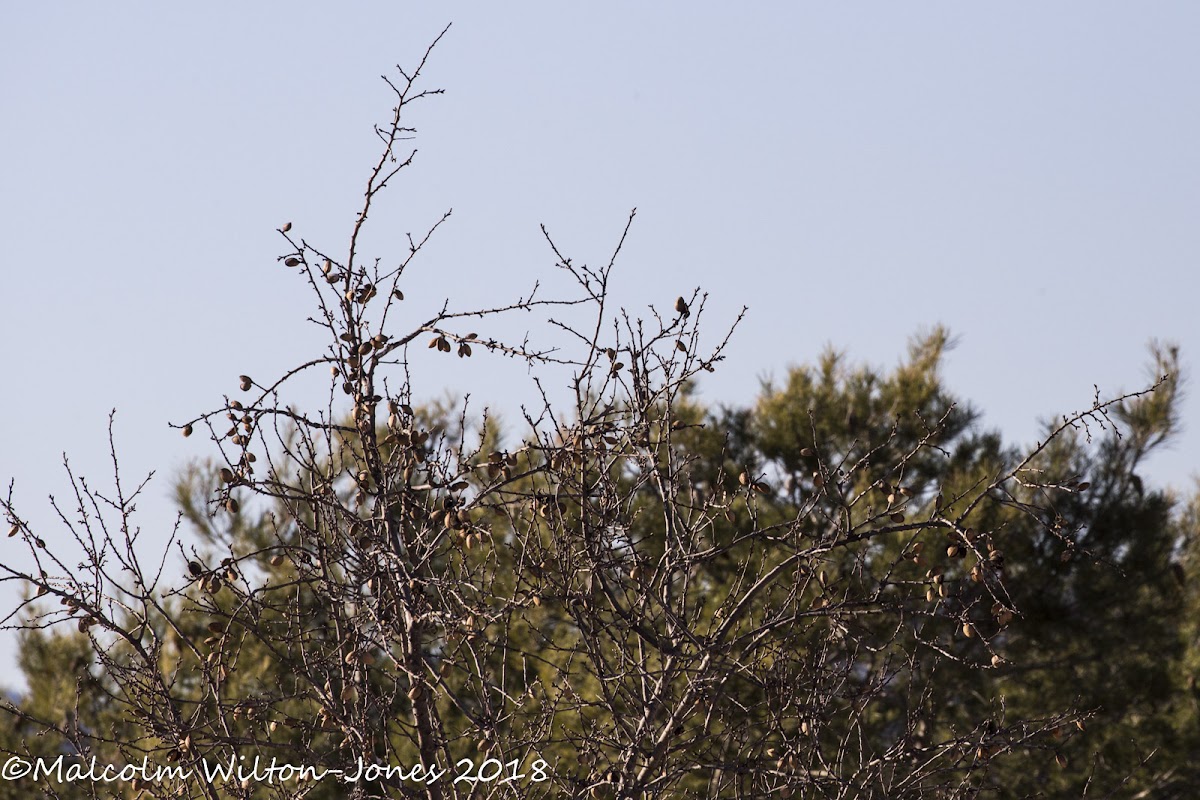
point(628, 595)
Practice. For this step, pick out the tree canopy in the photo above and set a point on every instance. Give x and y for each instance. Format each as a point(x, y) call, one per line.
point(848, 587)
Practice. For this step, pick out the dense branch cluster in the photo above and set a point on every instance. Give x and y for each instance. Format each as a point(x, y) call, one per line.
point(631, 596)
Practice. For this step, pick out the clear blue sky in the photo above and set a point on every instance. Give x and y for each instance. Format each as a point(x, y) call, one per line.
point(1027, 174)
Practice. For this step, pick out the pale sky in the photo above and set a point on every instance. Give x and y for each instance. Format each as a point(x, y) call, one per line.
point(1027, 174)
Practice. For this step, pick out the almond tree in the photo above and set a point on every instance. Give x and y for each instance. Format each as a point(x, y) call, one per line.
point(626, 596)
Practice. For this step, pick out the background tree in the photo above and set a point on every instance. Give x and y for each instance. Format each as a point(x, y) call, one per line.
point(846, 590)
